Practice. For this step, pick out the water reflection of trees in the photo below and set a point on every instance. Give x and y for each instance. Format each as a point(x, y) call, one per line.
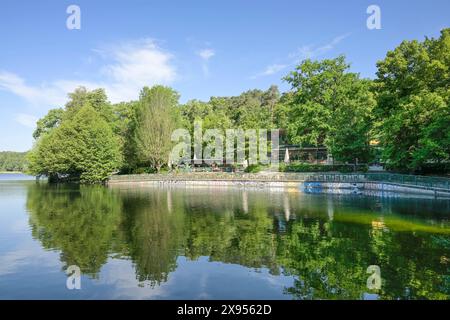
point(153, 231)
point(79, 221)
point(325, 245)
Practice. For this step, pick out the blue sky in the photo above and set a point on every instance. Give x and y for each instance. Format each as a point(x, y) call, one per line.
point(200, 48)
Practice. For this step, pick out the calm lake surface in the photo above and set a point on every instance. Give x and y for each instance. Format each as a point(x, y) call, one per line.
point(217, 243)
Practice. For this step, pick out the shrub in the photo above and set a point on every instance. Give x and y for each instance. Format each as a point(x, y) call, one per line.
point(253, 168)
point(435, 168)
point(307, 167)
point(144, 170)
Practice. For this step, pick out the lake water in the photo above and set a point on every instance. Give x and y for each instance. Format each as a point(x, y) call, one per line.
point(213, 243)
point(15, 177)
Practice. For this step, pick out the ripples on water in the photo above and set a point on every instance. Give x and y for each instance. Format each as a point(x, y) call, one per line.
point(197, 243)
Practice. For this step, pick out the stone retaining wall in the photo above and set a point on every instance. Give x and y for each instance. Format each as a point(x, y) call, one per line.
point(304, 186)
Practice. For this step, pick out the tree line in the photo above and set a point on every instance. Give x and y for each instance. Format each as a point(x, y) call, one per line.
point(13, 161)
point(405, 111)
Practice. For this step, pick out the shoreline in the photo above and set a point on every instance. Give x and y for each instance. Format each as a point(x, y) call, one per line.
point(305, 182)
point(12, 172)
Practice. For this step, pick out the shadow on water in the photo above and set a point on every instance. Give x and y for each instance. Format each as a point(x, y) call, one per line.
point(324, 242)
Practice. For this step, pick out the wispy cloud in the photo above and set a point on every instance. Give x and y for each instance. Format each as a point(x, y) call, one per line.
point(26, 120)
point(314, 51)
point(270, 69)
point(35, 95)
point(206, 55)
point(135, 65)
point(126, 68)
point(303, 52)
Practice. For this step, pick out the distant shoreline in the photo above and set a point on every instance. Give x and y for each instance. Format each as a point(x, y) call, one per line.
point(12, 172)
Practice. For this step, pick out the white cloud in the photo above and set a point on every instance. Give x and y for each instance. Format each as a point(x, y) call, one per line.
point(35, 95)
point(270, 69)
point(304, 52)
point(130, 67)
point(311, 51)
point(136, 65)
point(206, 54)
point(26, 120)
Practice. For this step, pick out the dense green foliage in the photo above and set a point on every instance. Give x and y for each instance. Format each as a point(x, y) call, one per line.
point(81, 144)
point(254, 109)
point(47, 123)
point(253, 168)
point(83, 147)
point(155, 121)
point(405, 110)
point(13, 161)
point(413, 108)
point(330, 107)
point(307, 167)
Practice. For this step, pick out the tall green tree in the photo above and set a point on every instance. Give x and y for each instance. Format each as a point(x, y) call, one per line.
point(270, 99)
point(97, 99)
point(123, 125)
point(13, 161)
point(329, 106)
point(156, 120)
point(48, 122)
point(316, 86)
point(413, 112)
point(83, 147)
point(351, 130)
